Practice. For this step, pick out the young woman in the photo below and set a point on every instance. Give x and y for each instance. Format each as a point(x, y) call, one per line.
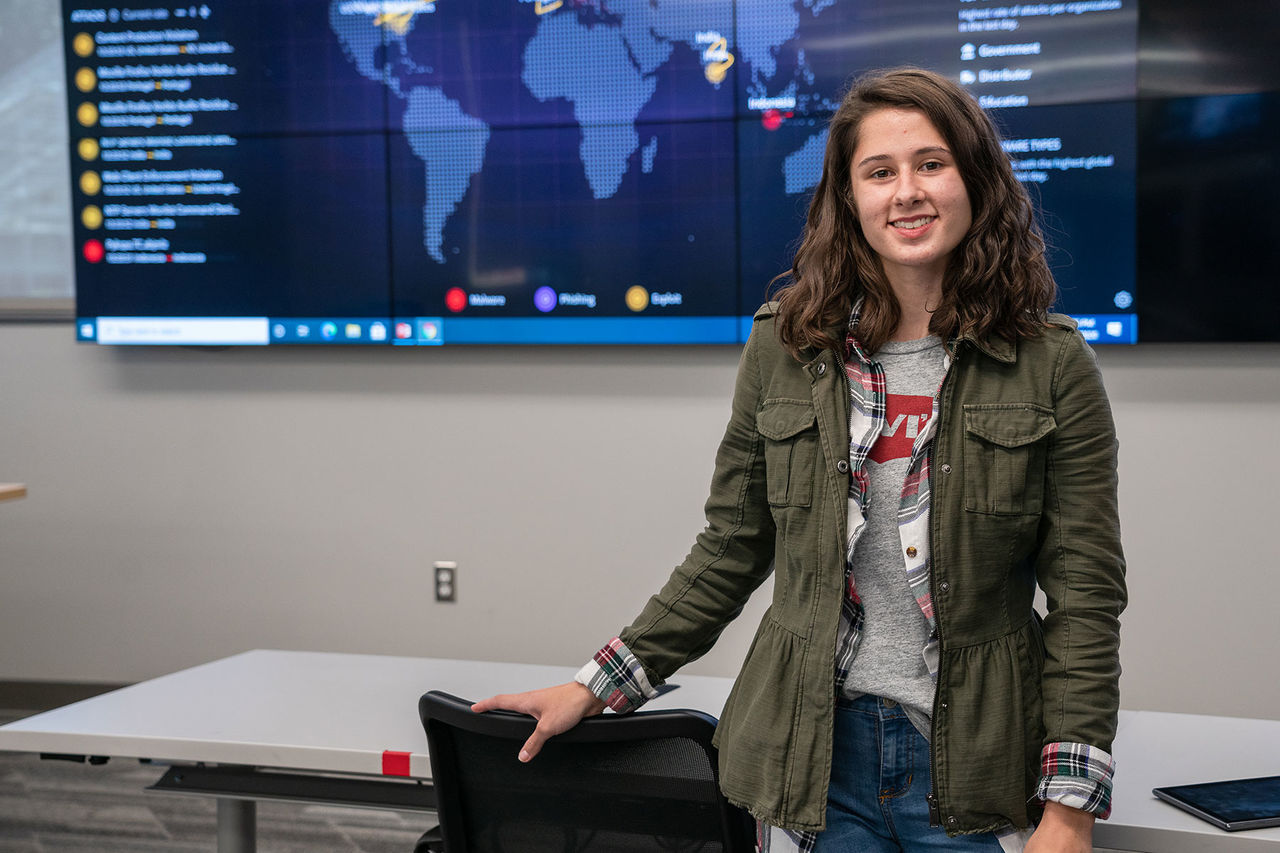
point(915, 444)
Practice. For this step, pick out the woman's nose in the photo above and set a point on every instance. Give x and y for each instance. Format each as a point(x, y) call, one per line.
point(908, 191)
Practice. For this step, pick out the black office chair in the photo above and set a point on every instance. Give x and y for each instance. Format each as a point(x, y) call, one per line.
point(627, 783)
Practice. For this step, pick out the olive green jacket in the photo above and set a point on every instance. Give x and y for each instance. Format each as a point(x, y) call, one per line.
point(1023, 490)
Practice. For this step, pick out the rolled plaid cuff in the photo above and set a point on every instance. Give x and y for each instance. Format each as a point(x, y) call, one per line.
point(616, 677)
point(1077, 775)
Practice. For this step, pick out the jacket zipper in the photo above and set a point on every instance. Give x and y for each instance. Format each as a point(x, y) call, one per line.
point(935, 812)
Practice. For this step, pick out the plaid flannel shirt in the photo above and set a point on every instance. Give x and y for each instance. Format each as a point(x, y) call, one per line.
point(1073, 774)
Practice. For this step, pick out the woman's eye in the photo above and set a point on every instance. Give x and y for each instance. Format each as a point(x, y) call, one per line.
point(880, 173)
point(931, 166)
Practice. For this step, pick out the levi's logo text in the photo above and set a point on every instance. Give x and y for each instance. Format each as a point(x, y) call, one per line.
point(906, 416)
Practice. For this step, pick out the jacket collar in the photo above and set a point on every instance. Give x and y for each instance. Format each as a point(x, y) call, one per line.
point(993, 346)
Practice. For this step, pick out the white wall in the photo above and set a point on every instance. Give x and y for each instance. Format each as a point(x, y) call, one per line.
point(189, 504)
point(186, 504)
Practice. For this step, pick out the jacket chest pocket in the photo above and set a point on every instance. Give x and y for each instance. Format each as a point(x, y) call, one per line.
point(1004, 457)
point(790, 434)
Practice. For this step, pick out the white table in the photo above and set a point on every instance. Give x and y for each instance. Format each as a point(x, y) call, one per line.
point(309, 726)
point(344, 729)
point(1155, 749)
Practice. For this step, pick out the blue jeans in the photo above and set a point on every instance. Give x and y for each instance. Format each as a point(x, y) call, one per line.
point(879, 781)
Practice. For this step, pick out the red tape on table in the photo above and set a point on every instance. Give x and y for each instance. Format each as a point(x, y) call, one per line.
point(395, 763)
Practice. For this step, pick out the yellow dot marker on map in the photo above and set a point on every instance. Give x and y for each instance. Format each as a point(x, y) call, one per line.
point(90, 183)
point(87, 114)
point(86, 79)
point(88, 148)
point(716, 71)
point(82, 44)
point(637, 298)
point(91, 216)
point(717, 60)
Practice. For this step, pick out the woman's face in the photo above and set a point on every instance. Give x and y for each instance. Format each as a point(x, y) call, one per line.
point(910, 199)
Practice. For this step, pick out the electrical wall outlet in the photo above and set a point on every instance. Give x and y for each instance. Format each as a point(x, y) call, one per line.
point(446, 580)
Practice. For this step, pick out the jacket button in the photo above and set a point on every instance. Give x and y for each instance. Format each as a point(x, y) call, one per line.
point(843, 466)
point(942, 706)
point(944, 586)
point(911, 550)
point(946, 469)
point(952, 820)
point(822, 367)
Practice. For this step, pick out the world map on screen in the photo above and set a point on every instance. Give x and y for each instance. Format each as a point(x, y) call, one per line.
point(602, 59)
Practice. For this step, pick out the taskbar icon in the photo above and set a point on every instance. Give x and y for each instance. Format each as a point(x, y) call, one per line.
point(418, 331)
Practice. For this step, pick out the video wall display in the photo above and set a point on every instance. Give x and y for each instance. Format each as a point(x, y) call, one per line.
point(553, 171)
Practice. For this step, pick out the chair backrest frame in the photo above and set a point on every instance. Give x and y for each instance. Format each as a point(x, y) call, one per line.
point(441, 711)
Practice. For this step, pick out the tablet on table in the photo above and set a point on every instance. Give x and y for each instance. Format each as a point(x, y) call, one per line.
point(1232, 805)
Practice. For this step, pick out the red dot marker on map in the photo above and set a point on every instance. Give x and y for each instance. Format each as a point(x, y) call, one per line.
point(93, 251)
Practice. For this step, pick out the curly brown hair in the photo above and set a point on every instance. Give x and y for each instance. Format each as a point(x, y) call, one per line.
point(997, 281)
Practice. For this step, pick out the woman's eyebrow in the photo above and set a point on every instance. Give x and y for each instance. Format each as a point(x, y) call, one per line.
point(928, 149)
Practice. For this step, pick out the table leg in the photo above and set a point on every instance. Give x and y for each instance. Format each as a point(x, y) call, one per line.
point(237, 826)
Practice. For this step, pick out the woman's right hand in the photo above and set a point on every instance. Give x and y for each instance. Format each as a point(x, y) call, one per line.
point(557, 709)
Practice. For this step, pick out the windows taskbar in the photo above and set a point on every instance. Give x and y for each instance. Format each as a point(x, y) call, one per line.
point(438, 331)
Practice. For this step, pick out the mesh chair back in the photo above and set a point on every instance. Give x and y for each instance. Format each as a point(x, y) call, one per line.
point(614, 784)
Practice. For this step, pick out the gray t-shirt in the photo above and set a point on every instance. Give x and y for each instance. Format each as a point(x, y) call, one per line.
point(889, 660)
